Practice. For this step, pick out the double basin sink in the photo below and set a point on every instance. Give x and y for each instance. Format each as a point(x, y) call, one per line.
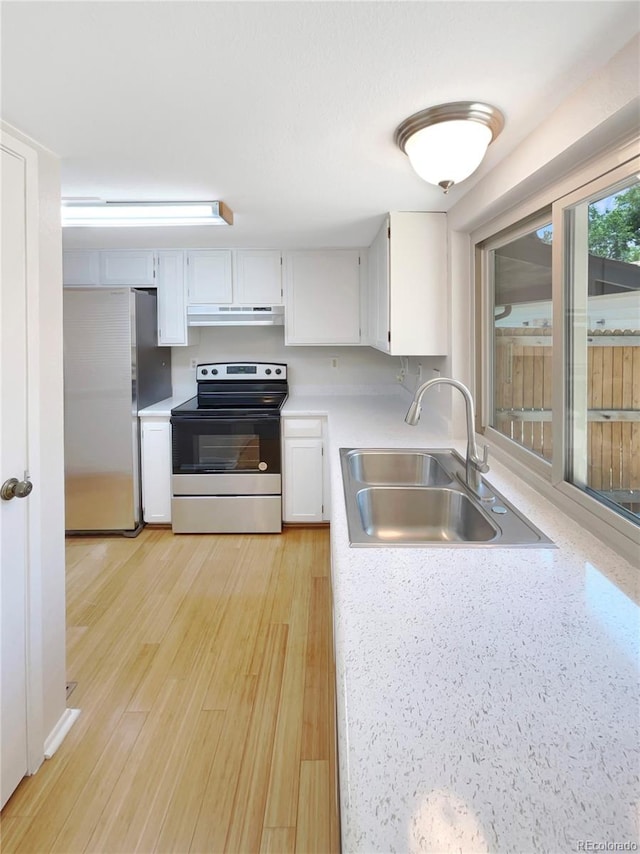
point(418, 497)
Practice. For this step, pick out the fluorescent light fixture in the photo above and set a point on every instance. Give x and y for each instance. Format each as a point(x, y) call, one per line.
point(119, 214)
point(447, 143)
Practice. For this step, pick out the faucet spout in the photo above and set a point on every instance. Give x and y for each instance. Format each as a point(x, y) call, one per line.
point(475, 465)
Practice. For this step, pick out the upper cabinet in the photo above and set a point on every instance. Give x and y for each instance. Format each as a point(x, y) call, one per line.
point(208, 273)
point(407, 276)
point(258, 277)
point(234, 277)
point(134, 268)
point(322, 296)
point(172, 305)
point(81, 267)
point(128, 267)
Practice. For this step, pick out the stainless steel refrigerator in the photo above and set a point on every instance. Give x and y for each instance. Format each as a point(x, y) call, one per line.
point(112, 368)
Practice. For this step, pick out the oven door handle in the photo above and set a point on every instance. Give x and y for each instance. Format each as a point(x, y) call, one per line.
point(241, 416)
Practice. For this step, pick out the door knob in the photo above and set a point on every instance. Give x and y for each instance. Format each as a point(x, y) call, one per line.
point(14, 488)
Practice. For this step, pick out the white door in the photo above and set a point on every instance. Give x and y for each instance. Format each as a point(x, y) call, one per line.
point(13, 464)
point(209, 276)
point(322, 304)
point(258, 277)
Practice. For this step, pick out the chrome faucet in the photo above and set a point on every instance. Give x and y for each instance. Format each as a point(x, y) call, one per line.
point(474, 464)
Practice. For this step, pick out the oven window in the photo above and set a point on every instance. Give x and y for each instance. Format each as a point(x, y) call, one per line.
point(220, 445)
point(227, 453)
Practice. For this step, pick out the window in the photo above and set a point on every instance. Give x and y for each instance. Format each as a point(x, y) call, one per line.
point(561, 344)
point(602, 280)
point(522, 340)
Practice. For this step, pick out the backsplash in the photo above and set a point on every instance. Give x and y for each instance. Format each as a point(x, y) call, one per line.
point(311, 369)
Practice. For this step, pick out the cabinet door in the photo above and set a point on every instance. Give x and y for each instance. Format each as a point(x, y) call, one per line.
point(128, 267)
point(322, 303)
point(378, 277)
point(172, 307)
point(258, 277)
point(156, 471)
point(418, 284)
point(81, 267)
point(302, 487)
point(209, 276)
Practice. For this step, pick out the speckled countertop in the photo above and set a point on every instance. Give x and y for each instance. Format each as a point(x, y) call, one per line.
point(163, 407)
point(488, 699)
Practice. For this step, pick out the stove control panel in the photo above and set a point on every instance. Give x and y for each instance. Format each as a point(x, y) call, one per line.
point(241, 371)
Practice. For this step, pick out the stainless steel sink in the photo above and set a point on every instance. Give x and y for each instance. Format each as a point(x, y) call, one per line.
point(400, 513)
point(417, 497)
point(411, 468)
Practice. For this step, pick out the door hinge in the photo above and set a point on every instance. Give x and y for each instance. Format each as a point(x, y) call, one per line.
point(389, 232)
point(389, 336)
point(358, 260)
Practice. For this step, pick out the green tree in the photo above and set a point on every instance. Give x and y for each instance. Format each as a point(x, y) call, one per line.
point(615, 231)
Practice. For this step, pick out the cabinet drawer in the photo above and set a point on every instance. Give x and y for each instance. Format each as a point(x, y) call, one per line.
point(302, 428)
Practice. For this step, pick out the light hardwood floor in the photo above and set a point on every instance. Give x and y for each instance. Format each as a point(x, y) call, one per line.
point(206, 682)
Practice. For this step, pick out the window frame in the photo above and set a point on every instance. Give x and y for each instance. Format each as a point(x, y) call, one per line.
point(607, 171)
point(525, 226)
point(562, 259)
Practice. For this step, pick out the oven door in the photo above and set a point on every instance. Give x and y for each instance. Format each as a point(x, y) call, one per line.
point(226, 455)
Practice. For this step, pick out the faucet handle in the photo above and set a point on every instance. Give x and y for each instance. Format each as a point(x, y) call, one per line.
point(480, 463)
point(483, 467)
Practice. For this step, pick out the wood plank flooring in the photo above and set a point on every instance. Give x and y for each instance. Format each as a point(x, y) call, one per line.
point(206, 682)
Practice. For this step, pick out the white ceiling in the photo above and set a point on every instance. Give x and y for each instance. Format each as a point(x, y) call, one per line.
point(284, 110)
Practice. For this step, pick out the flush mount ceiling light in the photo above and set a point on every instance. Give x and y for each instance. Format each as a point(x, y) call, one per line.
point(111, 214)
point(445, 144)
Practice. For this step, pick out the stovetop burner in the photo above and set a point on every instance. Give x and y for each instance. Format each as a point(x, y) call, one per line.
point(237, 389)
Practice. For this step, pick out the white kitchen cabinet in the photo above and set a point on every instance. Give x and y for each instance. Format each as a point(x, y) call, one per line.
point(85, 267)
point(305, 483)
point(209, 276)
point(81, 267)
point(322, 296)
point(378, 277)
point(128, 267)
point(156, 469)
point(407, 276)
point(258, 277)
point(172, 302)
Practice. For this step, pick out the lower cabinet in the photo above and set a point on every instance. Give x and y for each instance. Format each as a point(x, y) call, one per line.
point(156, 469)
point(304, 481)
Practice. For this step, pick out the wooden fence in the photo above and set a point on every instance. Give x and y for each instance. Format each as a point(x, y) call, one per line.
point(523, 400)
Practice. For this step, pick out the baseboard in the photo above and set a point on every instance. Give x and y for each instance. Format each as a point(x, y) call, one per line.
point(59, 732)
point(324, 524)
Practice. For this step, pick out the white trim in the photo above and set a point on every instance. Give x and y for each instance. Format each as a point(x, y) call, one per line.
point(59, 732)
point(530, 206)
point(528, 459)
point(617, 533)
point(33, 608)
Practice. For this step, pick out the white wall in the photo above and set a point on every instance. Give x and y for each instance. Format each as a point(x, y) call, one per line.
point(45, 340)
point(310, 368)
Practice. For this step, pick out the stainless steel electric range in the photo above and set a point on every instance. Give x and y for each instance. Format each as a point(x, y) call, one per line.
point(227, 464)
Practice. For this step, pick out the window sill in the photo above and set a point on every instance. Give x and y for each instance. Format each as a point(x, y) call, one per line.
point(613, 530)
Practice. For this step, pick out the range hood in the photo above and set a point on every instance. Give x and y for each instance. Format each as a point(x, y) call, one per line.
point(235, 315)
